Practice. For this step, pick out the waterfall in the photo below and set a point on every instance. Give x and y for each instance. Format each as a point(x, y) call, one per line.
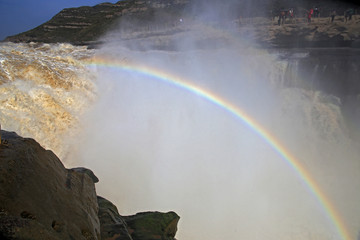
point(44, 89)
point(158, 145)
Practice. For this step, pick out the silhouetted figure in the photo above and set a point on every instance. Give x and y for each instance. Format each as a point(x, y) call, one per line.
point(281, 19)
point(283, 16)
point(351, 12)
point(333, 14)
point(348, 14)
point(272, 15)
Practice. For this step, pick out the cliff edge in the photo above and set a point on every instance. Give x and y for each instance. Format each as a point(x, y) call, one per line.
point(257, 22)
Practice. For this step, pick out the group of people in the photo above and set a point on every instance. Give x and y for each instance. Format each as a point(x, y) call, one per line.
point(313, 12)
point(348, 14)
point(284, 14)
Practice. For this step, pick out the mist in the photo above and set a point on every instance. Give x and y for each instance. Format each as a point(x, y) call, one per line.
point(157, 146)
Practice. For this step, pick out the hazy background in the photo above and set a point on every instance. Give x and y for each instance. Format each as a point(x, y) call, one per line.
point(155, 146)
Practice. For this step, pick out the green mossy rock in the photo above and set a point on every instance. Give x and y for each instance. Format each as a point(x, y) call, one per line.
point(153, 225)
point(142, 226)
point(112, 225)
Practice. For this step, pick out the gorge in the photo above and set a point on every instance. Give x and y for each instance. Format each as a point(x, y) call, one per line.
point(239, 129)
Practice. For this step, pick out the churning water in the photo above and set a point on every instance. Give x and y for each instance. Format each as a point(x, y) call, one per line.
point(44, 90)
point(201, 131)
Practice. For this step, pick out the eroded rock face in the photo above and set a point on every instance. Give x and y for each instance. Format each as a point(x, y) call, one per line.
point(88, 25)
point(40, 198)
point(84, 25)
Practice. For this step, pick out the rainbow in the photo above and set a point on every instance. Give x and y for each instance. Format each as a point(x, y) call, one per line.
point(274, 143)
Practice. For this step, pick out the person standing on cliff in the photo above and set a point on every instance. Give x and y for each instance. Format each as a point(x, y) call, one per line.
point(350, 13)
point(316, 12)
point(333, 14)
point(283, 16)
point(291, 15)
point(310, 14)
point(347, 14)
point(281, 19)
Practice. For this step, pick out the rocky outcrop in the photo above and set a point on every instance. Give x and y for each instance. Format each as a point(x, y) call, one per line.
point(112, 224)
point(41, 199)
point(152, 225)
point(319, 33)
point(84, 25)
point(86, 171)
point(142, 226)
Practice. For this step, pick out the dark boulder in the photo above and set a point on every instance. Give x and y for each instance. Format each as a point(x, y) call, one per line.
point(40, 198)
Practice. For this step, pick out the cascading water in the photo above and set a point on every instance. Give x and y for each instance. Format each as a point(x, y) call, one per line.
point(158, 145)
point(44, 89)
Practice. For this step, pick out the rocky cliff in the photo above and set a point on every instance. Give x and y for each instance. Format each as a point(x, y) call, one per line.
point(41, 199)
point(86, 25)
